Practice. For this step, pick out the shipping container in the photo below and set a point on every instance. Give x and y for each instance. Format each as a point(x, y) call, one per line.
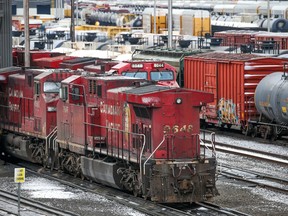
point(232, 78)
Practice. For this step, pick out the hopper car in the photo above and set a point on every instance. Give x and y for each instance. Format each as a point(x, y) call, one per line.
point(125, 132)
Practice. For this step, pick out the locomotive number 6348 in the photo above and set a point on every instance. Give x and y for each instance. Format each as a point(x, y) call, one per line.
point(177, 128)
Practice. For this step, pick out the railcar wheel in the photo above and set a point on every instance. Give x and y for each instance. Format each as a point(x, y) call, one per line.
point(248, 130)
point(222, 127)
point(254, 132)
point(274, 134)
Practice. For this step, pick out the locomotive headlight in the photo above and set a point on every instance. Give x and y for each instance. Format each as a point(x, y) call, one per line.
point(178, 101)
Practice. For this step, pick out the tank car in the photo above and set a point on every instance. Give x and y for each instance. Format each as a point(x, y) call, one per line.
point(271, 103)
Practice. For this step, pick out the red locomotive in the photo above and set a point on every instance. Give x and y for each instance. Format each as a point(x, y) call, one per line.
point(125, 132)
point(28, 110)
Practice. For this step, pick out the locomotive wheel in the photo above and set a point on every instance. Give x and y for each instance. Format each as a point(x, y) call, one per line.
point(82, 177)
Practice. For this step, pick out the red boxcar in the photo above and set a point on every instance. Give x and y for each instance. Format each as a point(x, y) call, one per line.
point(232, 78)
point(235, 37)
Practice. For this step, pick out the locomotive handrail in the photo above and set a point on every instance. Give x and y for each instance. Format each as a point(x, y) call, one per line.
point(144, 164)
point(137, 134)
point(212, 140)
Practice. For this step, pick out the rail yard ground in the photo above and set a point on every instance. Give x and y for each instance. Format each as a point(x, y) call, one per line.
point(247, 197)
point(241, 196)
point(60, 196)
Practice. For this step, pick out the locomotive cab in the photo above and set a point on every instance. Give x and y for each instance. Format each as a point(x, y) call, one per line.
point(158, 71)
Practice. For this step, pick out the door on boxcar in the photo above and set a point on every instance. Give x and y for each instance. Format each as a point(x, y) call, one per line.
point(210, 85)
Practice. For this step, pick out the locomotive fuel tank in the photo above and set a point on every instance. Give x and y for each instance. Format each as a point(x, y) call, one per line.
point(271, 97)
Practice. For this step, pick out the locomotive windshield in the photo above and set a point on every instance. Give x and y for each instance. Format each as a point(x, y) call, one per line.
point(52, 87)
point(162, 75)
point(137, 74)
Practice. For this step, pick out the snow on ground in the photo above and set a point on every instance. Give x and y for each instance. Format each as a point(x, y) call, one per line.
point(61, 196)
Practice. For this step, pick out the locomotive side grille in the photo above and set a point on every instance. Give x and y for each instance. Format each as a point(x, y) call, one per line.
point(143, 112)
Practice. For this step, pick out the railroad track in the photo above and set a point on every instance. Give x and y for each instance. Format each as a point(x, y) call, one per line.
point(248, 152)
point(137, 203)
point(256, 178)
point(125, 199)
point(283, 141)
point(208, 208)
point(28, 206)
point(221, 210)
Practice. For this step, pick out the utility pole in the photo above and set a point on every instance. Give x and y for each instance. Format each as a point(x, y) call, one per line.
point(170, 30)
point(77, 11)
point(27, 33)
point(268, 15)
point(155, 32)
point(5, 33)
point(72, 27)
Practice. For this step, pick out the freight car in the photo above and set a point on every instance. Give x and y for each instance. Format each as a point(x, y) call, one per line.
point(120, 131)
point(232, 78)
point(271, 102)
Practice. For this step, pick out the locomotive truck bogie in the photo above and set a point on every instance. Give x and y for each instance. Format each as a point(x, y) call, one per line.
point(24, 147)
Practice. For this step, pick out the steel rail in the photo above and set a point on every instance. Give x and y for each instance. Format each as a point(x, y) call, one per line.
point(253, 153)
point(256, 178)
point(35, 204)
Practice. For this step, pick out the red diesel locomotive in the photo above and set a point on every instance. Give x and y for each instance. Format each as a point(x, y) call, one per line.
point(125, 132)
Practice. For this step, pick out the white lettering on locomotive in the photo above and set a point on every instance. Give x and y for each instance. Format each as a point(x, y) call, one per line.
point(15, 93)
point(110, 110)
point(14, 107)
point(167, 129)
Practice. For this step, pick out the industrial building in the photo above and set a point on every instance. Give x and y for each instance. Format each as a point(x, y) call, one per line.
point(5, 34)
point(36, 6)
point(9, 8)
